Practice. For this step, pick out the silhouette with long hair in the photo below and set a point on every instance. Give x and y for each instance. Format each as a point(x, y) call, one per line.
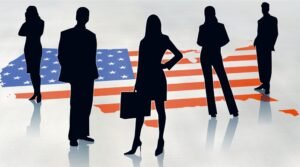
point(212, 36)
point(267, 33)
point(77, 57)
point(33, 29)
point(151, 81)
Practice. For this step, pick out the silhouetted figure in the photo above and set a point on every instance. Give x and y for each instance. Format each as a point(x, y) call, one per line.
point(34, 128)
point(151, 82)
point(264, 42)
point(33, 29)
point(212, 36)
point(77, 57)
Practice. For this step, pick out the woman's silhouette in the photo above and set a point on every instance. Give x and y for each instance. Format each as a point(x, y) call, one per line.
point(33, 29)
point(151, 81)
point(212, 36)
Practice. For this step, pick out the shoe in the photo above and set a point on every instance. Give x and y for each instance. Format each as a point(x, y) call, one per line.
point(73, 143)
point(160, 147)
point(39, 98)
point(32, 97)
point(213, 115)
point(267, 91)
point(87, 139)
point(260, 87)
point(235, 114)
point(135, 145)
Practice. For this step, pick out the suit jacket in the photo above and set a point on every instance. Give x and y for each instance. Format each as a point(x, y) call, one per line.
point(212, 36)
point(77, 55)
point(267, 32)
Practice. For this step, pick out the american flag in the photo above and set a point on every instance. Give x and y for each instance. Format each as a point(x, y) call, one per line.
point(118, 68)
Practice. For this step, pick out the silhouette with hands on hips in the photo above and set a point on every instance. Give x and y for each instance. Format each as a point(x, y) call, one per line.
point(151, 81)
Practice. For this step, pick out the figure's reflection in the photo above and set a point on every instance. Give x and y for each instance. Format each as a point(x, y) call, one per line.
point(160, 160)
point(33, 128)
point(211, 131)
point(79, 156)
point(265, 114)
point(136, 160)
point(230, 131)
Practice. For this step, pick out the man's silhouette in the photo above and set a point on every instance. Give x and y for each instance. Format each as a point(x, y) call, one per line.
point(77, 57)
point(267, 33)
point(212, 36)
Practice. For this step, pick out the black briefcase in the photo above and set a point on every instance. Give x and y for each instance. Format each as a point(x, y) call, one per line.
point(134, 105)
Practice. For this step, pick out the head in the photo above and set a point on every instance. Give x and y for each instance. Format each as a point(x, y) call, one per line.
point(210, 15)
point(265, 7)
point(32, 13)
point(153, 26)
point(82, 15)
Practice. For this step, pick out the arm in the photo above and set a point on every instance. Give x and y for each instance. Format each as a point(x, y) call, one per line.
point(61, 49)
point(176, 52)
point(275, 35)
point(224, 36)
point(139, 70)
point(258, 32)
point(200, 37)
point(22, 31)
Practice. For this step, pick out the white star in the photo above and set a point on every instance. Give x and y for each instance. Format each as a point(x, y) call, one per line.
point(99, 60)
point(124, 76)
point(99, 52)
point(123, 67)
point(48, 51)
point(6, 74)
point(11, 65)
point(121, 59)
point(44, 67)
point(56, 54)
point(20, 68)
point(56, 62)
point(111, 63)
point(26, 82)
point(112, 72)
point(42, 76)
point(100, 78)
point(51, 81)
point(110, 55)
point(46, 59)
point(119, 51)
point(100, 68)
point(2, 83)
point(17, 78)
point(53, 71)
point(23, 60)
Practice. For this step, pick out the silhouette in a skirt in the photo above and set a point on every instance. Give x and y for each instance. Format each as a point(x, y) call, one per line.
point(151, 81)
point(212, 36)
point(33, 29)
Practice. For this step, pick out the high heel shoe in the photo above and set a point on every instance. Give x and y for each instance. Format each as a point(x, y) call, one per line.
point(135, 145)
point(160, 147)
point(32, 97)
point(39, 98)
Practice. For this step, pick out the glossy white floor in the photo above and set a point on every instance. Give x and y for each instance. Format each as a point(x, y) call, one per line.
point(33, 135)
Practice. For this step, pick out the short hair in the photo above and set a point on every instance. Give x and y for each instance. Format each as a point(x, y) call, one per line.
point(82, 12)
point(265, 5)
